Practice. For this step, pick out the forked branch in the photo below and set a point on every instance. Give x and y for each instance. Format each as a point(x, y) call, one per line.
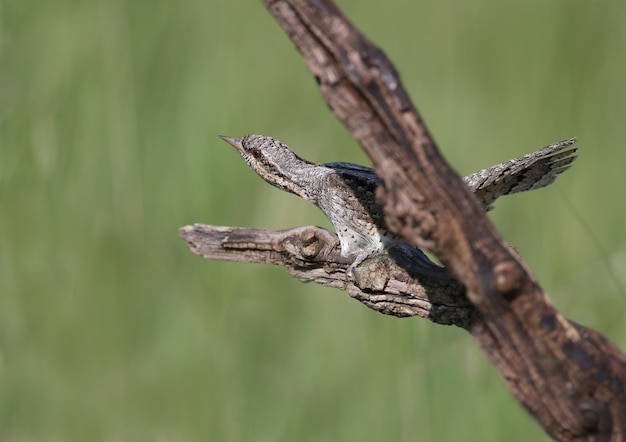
point(390, 284)
point(569, 377)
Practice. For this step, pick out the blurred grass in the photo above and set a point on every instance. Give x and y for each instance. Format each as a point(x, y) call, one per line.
point(109, 110)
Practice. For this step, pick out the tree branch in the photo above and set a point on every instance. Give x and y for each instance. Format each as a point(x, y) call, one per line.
point(394, 284)
point(569, 377)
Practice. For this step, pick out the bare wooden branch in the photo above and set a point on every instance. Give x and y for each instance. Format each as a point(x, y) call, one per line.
point(569, 377)
point(395, 284)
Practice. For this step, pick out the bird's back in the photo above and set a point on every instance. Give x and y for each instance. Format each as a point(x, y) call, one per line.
point(349, 202)
point(348, 193)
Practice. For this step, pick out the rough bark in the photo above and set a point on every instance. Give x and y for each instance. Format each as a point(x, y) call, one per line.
point(570, 378)
point(394, 284)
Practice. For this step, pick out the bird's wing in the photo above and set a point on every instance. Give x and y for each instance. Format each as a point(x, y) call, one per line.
point(531, 171)
point(528, 172)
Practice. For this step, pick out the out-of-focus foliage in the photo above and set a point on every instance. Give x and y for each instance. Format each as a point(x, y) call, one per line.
point(109, 115)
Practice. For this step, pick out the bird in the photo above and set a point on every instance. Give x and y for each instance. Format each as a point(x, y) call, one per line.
point(346, 192)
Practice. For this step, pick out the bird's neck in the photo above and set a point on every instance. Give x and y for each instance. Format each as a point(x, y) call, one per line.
point(305, 179)
point(295, 175)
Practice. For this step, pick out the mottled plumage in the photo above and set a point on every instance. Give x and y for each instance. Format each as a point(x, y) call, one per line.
point(345, 192)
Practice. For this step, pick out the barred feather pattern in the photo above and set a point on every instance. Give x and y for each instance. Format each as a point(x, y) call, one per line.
point(346, 192)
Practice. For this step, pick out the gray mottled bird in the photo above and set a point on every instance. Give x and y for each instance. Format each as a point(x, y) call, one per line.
point(345, 192)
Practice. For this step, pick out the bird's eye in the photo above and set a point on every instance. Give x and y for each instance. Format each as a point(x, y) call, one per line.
point(257, 154)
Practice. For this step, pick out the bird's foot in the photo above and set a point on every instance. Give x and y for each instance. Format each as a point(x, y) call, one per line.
point(358, 260)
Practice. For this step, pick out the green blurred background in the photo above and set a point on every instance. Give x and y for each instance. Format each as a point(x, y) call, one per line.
point(109, 114)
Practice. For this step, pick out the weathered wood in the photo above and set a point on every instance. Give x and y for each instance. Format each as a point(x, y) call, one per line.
point(393, 284)
point(569, 377)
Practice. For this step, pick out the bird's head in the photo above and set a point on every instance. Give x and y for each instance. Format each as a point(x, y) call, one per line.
point(275, 162)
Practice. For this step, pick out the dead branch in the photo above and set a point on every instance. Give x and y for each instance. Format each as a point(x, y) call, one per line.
point(570, 378)
point(394, 284)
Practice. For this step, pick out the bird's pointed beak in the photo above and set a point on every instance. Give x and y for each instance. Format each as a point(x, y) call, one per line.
point(235, 142)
